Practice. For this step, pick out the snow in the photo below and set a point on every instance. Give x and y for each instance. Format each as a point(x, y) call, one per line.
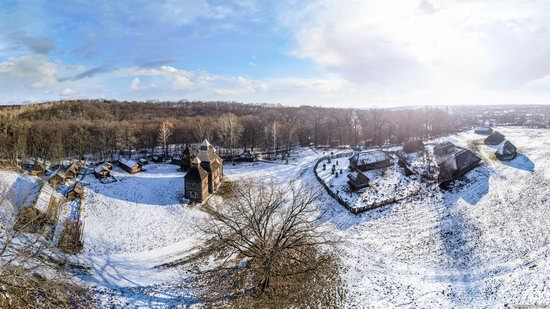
point(16, 191)
point(483, 243)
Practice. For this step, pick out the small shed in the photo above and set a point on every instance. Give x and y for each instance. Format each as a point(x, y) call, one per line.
point(248, 156)
point(370, 160)
point(506, 151)
point(494, 139)
point(38, 169)
point(196, 182)
point(177, 158)
point(57, 178)
point(483, 130)
point(143, 161)
point(102, 171)
point(357, 180)
point(413, 146)
point(129, 166)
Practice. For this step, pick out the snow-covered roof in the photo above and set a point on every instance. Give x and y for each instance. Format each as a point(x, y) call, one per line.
point(128, 163)
point(101, 168)
point(371, 156)
point(507, 148)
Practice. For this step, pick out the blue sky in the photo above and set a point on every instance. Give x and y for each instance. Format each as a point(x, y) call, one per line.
point(320, 52)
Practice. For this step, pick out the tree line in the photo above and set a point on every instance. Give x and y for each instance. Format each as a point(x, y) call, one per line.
point(72, 129)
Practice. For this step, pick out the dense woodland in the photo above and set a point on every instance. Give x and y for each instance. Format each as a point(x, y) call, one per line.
point(72, 129)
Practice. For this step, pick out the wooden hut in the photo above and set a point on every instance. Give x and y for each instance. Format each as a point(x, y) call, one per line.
point(370, 160)
point(506, 152)
point(357, 180)
point(413, 146)
point(457, 164)
point(444, 148)
point(38, 169)
point(129, 166)
point(494, 139)
point(157, 159)
point(57, 178)
point(196, 182)
point(102, 171)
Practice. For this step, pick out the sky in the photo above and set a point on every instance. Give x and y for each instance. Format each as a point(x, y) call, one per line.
point(344, 53)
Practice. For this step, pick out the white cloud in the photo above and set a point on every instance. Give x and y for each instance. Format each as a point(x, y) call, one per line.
point(134, 85)
point(31, 71)
point(67, 92)
point(406, 48)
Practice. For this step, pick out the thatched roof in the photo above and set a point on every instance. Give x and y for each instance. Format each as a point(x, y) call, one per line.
point(444, 148)
point(369, 157)
point(494, 139)
point(506, 151)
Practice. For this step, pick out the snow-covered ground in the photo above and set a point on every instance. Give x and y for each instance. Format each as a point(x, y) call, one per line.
point(484, 243)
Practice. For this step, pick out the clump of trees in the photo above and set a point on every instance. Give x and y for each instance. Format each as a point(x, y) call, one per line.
point(266, 249)
point(71, 129)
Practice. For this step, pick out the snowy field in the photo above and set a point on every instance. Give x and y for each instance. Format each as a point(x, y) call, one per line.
point(484, 243)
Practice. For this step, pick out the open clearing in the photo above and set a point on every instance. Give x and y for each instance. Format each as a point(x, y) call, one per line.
point(486, 242)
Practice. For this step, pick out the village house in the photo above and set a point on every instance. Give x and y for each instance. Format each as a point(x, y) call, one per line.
point(456, 164)
point(72, 170)
point(357, 180)
point(57, 178)
point(75, 192)
point(413, 146)
point(103, 171)
point(494, 139)
point(196, 182)
point(506, 151)
point(370, 160)
point(483, 130)
point(129, 166)
point(38, 169)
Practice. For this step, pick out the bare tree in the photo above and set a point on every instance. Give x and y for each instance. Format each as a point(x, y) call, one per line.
point(165, 131)
point(266, 240)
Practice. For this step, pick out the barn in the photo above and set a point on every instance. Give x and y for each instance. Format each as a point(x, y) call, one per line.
point(456, 164)
point(102, 171)
point(129, 166)
point(370, 160)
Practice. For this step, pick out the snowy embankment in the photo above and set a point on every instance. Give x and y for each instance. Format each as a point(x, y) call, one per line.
point(16, 191)
point(485, 243)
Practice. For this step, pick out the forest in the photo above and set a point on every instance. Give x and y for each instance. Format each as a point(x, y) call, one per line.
point(99, 128)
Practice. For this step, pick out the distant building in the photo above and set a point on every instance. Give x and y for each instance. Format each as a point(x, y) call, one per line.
point(494, 139)
point(72, 170)
point(413, 146)
point(370, 160)
point(75, 192)
point(506, 152)
point(57, 178)
point(38, 169)
point(248, 156)
point(103, 171)
point(483, 130)
point(196, 182)
point(357, 180)
point(129, 166)
point(186, 161)
point(443, 148)
point(157, 159)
